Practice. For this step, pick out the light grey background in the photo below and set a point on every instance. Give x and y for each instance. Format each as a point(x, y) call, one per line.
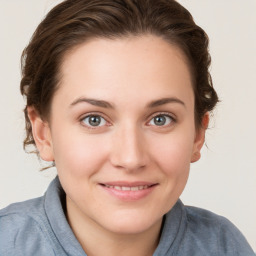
point(224, 180)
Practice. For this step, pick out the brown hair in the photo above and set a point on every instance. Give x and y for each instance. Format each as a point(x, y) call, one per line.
point(72, 22)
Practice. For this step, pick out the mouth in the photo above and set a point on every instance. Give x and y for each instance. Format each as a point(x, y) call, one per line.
point(128, 188)
point(129, 191)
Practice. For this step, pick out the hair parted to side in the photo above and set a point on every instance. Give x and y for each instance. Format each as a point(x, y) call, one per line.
point(73, 22)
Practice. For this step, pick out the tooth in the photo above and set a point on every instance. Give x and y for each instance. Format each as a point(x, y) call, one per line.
point(126, 188)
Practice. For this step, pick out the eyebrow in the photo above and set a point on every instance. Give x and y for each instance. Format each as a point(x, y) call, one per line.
point(164, 101)
point(94, 102)
point(105, 104)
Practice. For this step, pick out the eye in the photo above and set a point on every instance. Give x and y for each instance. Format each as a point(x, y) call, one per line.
point(94, 121)
point(161, 120)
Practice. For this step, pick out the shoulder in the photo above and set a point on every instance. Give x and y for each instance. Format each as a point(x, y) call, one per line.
point(222, 236)
point(21, 214)
point(24, 229)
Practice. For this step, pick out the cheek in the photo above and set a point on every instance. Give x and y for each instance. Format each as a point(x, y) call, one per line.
point(171, 156)
point(78, 155)
point(173, 153)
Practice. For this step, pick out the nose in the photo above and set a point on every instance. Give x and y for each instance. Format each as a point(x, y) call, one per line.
point(129, 149)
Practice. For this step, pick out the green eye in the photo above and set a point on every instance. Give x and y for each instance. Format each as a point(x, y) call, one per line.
point(161, 120)
point(94, 120)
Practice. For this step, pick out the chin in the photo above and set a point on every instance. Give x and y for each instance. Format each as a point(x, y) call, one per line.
point(127, 223)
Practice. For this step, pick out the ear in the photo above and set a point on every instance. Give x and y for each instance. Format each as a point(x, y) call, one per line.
point(41, 134)
point(199, 139)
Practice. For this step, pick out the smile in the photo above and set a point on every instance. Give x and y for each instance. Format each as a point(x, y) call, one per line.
point(126, 191)
point(125, 188)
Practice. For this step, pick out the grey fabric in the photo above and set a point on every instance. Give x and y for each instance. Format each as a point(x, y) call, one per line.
point(39, 227)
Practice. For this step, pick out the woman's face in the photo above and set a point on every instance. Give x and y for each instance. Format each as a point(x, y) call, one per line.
point(122, 131)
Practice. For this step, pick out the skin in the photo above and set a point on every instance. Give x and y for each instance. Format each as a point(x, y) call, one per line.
point(128, 145)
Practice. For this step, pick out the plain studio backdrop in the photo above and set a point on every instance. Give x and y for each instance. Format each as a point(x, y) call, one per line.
point(224, 180)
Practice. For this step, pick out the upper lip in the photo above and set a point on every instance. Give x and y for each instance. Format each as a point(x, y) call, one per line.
point(128, 184)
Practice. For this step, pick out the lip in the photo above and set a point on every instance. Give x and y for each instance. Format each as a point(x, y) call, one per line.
point(128, 191)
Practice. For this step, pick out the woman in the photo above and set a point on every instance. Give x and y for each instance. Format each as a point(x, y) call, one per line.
point(118, 99)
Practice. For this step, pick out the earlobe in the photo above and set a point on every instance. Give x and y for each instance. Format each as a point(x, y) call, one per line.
point(195, 157)
point(41, 134)
point(199, 139)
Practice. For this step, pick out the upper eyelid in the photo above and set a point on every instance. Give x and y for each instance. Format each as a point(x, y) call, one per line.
point(162, 113)
point(83, 116)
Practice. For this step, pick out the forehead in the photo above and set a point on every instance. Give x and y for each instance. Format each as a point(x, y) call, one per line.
point(118, 68)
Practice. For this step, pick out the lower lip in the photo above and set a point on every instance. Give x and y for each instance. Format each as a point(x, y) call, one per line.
point(129, 195)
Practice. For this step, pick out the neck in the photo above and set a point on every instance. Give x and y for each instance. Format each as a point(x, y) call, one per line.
point(95, 240)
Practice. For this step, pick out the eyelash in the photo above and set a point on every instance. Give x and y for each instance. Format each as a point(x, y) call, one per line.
point(165, 114)
point(100, 115)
